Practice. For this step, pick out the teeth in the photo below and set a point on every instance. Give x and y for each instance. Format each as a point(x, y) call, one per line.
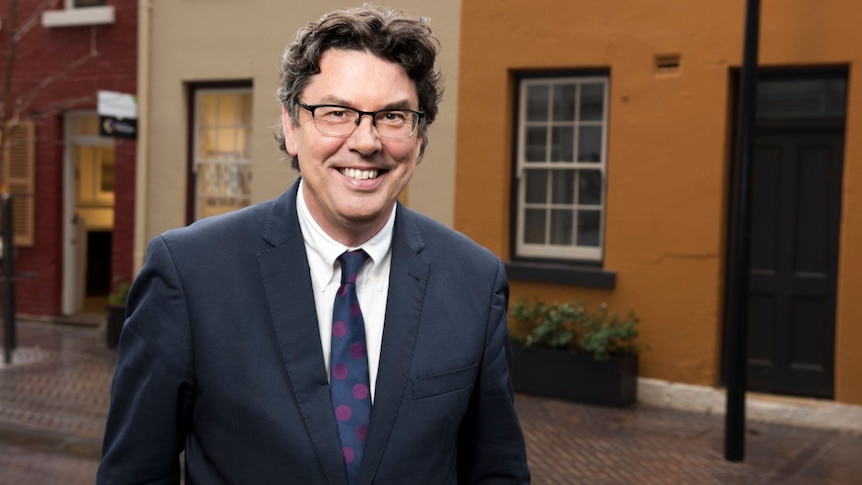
point(359, 174)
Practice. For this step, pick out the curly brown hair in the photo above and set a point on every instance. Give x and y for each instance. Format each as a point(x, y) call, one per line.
point(389, 34)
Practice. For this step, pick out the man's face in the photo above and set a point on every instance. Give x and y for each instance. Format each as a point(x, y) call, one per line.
point(350, 205)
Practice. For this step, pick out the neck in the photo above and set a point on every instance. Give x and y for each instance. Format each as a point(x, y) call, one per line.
point(354, 234)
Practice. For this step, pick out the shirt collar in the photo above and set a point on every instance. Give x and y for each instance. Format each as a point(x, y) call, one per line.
point(328, 249)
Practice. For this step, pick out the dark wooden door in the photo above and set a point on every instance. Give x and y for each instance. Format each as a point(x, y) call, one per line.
point(796, 203)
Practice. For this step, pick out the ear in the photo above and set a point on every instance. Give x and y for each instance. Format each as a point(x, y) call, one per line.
point(289, 132)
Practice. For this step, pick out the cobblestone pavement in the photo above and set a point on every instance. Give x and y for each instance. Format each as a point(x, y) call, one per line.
point(577, 444)
point(54, 396)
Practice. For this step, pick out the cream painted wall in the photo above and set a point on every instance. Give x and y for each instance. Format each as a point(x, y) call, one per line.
point(191, 41)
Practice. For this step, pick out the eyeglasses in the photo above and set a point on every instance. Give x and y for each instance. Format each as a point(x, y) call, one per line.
point(341, 121)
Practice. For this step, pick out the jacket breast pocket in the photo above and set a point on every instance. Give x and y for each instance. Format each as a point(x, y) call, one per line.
point(443, 383)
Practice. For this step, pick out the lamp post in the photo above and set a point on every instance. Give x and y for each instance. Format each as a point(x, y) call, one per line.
point(737, 318)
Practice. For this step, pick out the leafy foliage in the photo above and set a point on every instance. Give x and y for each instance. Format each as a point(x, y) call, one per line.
point(120, 294)
point(571, 326)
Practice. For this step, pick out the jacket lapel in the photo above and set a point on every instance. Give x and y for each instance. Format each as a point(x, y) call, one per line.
point(408, 279)
point(287, 282)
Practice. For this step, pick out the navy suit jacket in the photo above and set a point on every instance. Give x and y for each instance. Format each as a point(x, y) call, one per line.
point(220, 356)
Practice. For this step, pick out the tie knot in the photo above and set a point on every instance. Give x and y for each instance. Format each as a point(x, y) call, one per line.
point(351, 262)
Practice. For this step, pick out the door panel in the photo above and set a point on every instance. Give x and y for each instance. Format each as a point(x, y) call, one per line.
point(796, 183)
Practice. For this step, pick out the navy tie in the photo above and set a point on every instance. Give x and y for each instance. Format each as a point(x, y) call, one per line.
point(348, 379)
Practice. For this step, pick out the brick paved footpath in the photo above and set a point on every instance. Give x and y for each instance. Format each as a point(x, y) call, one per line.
point(54, 396)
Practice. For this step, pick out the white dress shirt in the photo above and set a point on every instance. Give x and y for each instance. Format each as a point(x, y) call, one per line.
point(372, 283)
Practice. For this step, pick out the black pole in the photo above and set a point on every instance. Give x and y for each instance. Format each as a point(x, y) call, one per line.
point(734, 434)
point(9, 338)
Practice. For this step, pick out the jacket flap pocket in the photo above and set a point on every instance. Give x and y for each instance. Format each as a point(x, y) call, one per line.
point(443, 383)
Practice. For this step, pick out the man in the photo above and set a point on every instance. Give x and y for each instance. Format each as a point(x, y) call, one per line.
point(246, 348)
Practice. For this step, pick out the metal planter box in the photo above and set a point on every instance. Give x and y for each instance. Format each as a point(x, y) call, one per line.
point(575, 377)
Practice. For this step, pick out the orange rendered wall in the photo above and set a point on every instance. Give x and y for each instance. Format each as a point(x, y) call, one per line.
point(668, 152)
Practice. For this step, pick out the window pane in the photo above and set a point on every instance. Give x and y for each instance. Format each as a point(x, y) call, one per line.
point(206, 109)
point(537, 103)
point(534, 226)
point(223, 180)
point(588, 228)
point(244, 100)
point(590, 187)
point(222, 187)
point(206, 143)
point(562, 144)
point(561, 227)
point(537, 186)
point(226, 109)
point(245, 149)
point(592, 102)
point(239, 142)
point(590, 144)
point(85, 125)
point(106, 179)
point(537, 139)
point(564, 103)
point(563, 187)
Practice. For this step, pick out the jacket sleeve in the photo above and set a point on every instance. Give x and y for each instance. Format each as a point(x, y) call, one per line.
point(152, 394)
point(491, 446)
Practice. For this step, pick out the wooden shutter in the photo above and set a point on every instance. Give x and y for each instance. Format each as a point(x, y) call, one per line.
point(19, 169)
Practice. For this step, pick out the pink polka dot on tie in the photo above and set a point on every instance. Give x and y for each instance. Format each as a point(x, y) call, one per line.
point(349, 454)
point(339, 371)
point(354, 309)
point(362, 432)
point(342, 290)
point(360, 391)
point(343, 412)
point(357, 350)
point(339, 329)
point(352, 278)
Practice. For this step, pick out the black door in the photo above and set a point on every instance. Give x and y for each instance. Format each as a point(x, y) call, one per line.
point(795, 219)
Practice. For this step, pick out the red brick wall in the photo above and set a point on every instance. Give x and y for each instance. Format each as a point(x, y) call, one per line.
point(44, 53)
point(124, 210)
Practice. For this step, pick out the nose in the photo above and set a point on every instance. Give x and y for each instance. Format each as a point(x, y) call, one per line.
point(364, 138)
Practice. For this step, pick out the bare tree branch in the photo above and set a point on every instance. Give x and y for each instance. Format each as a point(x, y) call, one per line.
point(59, 107)
point(7, 88)
point(23, 102)
point(33, 19)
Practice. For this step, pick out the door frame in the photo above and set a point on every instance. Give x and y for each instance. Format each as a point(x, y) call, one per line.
point(74, 231)
point(773, 126)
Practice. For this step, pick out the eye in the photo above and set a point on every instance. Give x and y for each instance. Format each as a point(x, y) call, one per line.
point(333, 114)
point(393, 117)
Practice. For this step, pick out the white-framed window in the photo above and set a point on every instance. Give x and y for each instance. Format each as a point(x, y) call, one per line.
point(221, 161)
point(79, 12)
point(561, 167)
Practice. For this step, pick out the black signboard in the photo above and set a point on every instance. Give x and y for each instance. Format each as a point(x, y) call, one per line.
point(118, 127)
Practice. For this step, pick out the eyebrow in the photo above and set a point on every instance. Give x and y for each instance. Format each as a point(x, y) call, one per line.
point(403, 104)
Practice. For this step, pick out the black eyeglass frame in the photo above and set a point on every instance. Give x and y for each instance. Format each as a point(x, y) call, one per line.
point(373, 114)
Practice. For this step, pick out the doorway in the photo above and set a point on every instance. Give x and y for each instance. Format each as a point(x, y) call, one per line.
point(797, 166)
point(89, 215)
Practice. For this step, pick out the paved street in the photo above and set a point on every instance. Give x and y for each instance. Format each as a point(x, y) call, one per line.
point(54, 397)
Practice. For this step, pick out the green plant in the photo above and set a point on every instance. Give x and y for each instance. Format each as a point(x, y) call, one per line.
point(572, 326)
point(121, 292)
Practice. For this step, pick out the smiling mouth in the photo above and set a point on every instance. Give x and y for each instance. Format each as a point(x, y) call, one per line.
point(360, 174)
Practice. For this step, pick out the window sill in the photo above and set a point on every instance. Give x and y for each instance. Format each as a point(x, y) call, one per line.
point(562, 274)
point(78, 16)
